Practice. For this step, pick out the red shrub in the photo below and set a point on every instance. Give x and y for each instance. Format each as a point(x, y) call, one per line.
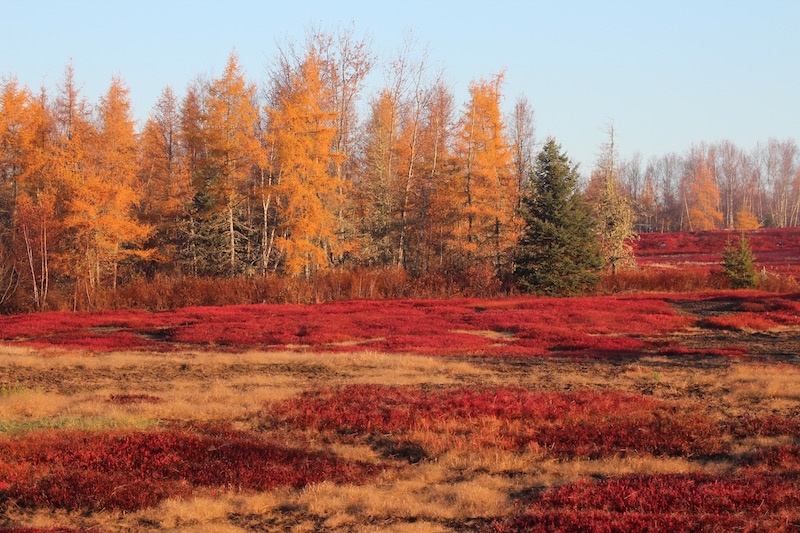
point(36, 530)
point(133, 470)
point(521, 327)
point(776, 460)
point(760, 312)
point(766, 426)
point(776, 249)
point(561, 424)
point(681, 502)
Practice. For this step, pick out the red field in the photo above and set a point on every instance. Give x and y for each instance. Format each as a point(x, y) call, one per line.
point(671, 412)
point(522, 327)
point(776, 249)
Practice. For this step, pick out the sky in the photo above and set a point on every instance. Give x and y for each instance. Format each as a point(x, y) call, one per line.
point(667, 74)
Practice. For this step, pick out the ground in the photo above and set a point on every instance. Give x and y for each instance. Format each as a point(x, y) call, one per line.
point(693, 425)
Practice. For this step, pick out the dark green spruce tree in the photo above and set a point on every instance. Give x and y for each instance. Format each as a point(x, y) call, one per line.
point(558, 251)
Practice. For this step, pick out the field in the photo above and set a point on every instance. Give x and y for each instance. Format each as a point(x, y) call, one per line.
point(649, 412)
point(777, 250)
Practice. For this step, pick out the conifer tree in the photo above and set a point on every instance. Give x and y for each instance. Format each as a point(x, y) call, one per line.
point(558, 250)
point(738, 264)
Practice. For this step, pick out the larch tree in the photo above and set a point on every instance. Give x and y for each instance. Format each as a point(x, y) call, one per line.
point(74, 171)
point(102, 211)
point(558, 252)
point(702, 194)
point(391, 156)
point(165, 181)
point(301, 133)
point(25, 145)
point(376, 198)
point(194, 151)
point(409, 150)
point(230, 122)
point(436, 204)
point(487, 182)
point(28, 195)
point(613, 212)
point(345, 63)
point(522, 132)
point(523, 138)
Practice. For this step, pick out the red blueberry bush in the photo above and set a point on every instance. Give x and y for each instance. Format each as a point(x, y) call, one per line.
point(522, 327)
point(586, 423)
point(134, 470)
point(748, 501)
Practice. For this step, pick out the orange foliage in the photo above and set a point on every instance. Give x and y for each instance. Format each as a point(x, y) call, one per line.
point(487, 187)
point(703, 198)
point(302, 133)
point(102, 205)
point(746, 220)
point(232, 145)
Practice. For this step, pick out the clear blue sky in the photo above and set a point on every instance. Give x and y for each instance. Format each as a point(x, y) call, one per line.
point(668, 73)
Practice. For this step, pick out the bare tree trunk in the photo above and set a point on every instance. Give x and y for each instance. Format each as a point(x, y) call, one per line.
point(29, 253)
point(232, 239)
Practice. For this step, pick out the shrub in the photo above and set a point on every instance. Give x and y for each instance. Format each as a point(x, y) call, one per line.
point(585, 423)
point(130, 470)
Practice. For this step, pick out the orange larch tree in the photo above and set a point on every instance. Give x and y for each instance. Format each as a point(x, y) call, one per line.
point(346, 62)
point(28, 200)
point(301, 132)
point(102, 210)
point(74, 166)
point(230, 122)
point(702, 196)
point(488, 187)
point(437, 200)
point(167, 190)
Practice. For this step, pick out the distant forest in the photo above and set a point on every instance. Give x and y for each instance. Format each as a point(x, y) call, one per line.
point(305, 173)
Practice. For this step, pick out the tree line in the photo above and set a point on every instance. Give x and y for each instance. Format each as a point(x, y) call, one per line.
point(716, 186)
point(304, 173)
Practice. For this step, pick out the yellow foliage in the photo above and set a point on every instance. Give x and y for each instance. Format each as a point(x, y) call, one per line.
point(746, 220)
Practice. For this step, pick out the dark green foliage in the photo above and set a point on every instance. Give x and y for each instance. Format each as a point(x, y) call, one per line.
point(738, 264)
point(558, 250)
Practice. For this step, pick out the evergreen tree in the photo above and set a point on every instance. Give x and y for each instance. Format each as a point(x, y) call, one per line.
point(738, 264)
point(558, 251)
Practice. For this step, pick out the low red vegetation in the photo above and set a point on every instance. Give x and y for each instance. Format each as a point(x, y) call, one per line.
point(732, 352)
point(582, 423)
point(760, 313)
point(779, 459)
point(134, 470)
point(588, 327)
point(776, 249)
point(519, 327)
point(750, 501)
point(768, 426)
